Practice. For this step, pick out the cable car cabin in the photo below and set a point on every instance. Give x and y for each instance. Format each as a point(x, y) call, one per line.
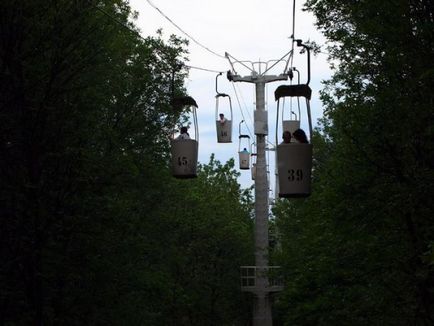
point(253, 171)
point(294, 164)
point(291, 121)
point(244, 155)
point(184, 158)
point(224, 131)
point(253, 156)
point(253, 162)
point(223, 123)
point(223, 120)
point(183, 147)
point(294, 159)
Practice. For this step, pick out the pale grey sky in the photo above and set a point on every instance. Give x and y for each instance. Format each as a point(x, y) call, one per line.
point(250, 30)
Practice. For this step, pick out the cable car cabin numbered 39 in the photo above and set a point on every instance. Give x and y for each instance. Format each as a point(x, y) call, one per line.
point(294, 169)
point(294, 157)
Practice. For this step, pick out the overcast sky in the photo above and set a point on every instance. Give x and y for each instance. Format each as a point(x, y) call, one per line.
point(252, 30)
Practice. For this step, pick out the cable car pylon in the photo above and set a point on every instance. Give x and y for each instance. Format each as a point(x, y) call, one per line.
point(255, 279)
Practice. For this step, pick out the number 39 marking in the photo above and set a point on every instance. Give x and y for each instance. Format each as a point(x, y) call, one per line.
point(295, 175)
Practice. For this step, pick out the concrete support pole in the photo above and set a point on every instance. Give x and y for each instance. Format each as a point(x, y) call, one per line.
point(261, 190)
point(262, 310)
point(262, 307)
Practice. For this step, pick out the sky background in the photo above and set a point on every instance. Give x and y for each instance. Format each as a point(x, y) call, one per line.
point(252, 30)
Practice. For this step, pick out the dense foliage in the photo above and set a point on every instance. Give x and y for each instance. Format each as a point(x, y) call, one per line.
point(93, 229)
point(360, 250)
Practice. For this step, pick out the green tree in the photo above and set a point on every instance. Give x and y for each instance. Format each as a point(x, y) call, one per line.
point(359, 251)
point(205, 234)
point(94, 230)
point(85, 115)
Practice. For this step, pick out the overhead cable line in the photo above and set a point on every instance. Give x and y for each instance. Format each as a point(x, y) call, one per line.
point(135, 32)
point(204, 69)
point(293, 19)
point(184, 32)
point(244, 103)
point(292, 57)
point(241, 110)
point(119, 22)
point(293, 33)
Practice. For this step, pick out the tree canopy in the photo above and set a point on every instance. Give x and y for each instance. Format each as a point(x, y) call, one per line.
point(93, 228)
point(359, 251)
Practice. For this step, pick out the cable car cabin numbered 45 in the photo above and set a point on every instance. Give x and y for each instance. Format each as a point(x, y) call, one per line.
point(184, 158)
point(183, 146)
point(294, 163)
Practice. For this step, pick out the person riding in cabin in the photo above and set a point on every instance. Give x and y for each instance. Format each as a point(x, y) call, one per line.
point(286, 136)
point(300, 136)
point(184, 134)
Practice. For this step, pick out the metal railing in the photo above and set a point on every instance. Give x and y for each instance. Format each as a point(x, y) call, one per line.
point(250, 275)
